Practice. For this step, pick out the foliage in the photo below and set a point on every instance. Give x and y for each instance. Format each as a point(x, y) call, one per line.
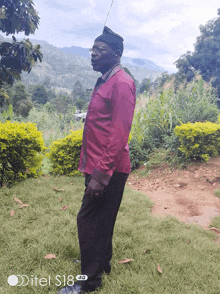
point(160, 81)
point(153, 125)
point(199, 140)
point(79, 96)
point(7, 115)
point(39, 94)
point(144, 86)
point(137, 154)
point(4, 98)
point(205, 57)
point(64, 154)
point(21, 146)
point(15, 58)
point(62, 103)
point(196, 102)
point(20, 100)
point(17, 16)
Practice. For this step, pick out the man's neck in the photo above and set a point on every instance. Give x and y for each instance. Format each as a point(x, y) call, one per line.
point(105, 69)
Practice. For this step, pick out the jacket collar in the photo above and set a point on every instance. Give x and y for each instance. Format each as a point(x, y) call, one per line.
point(111, 72)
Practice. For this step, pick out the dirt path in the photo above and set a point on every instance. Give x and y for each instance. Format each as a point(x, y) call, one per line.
point(186, 194)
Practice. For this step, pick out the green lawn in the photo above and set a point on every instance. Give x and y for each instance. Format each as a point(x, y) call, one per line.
point(187, 255)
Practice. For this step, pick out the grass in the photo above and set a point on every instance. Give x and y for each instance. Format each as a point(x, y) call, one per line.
point(187, 254)
point(217, 192)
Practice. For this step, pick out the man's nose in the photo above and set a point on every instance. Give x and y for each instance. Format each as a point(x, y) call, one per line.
point(93, 53)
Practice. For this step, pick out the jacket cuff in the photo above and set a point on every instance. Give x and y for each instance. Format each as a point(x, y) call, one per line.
point(100, 177)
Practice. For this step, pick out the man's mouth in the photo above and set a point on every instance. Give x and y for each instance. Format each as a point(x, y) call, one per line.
point(93, 62)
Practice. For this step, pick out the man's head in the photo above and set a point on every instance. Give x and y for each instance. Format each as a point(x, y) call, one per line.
point(107, 50)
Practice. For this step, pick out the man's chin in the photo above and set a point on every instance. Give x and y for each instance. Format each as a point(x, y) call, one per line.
point(95, 67)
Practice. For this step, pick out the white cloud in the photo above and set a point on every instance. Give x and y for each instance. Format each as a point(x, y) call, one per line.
point(159, 30)
point(141, 7)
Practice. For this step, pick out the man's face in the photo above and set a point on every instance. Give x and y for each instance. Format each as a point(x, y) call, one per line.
point(103, 57)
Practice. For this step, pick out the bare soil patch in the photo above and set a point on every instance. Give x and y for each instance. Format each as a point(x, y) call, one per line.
point(185, 194)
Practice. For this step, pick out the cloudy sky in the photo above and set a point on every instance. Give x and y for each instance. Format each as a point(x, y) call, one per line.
point(158, 30)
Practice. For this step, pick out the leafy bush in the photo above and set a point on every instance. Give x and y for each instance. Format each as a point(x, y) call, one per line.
point(65, 153)
point(157, 120)
point(196, 103)
point(199, 140)
point(21, 151)
point(137, 154)
point(153, 125)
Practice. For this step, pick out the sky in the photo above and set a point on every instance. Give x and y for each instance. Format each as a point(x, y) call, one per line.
point(158, 30)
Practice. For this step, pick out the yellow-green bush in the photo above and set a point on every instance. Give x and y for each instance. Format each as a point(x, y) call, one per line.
point(21, 151)
point(64, 154)
point(199, 140)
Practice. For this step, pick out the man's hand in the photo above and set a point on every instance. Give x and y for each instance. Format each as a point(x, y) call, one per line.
point(95, 189)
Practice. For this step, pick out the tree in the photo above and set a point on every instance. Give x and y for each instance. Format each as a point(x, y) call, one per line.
point(63, 102)
point(20, 100)
point(79, 96)
point(205, 58)
point(78, 91)
point(17, 16)
point(144, 86)
point(40, 94)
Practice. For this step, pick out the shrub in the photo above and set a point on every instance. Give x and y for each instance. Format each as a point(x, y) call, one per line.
point(65, 153)
point(21, 151)
point(154, 124)
point(137, 153)
point(199, 140)
point(196, 102)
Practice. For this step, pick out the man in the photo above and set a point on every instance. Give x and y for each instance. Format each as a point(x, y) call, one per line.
point(104, 160)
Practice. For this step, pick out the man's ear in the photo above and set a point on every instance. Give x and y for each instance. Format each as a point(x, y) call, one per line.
point(118, 53)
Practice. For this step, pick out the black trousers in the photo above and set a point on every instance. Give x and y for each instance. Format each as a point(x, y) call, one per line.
point(95, 222)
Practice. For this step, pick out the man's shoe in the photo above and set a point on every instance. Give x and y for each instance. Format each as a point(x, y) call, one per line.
point(75, 289)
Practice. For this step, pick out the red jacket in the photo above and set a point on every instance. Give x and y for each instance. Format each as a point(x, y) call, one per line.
point(107, 126)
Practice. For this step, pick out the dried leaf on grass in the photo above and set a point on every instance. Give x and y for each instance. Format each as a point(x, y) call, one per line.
point(18, 201)
point(49, 256)
point(12, 213)
point(64, 208)
point(24, 205)
point(159, 269)
point(58, 190)
point(125, 260)
point(215, 230)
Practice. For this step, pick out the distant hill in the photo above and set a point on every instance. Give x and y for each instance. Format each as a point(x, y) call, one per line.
point(64, 69)
point(143, 63)
point(140, 68)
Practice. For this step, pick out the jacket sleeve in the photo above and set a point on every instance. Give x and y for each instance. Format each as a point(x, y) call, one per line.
point(123, 105)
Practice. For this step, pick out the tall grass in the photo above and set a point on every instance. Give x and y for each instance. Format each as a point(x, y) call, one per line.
point(53, 126)
point(153, 124)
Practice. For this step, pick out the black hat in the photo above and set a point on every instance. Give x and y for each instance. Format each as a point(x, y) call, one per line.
point(112, 39)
